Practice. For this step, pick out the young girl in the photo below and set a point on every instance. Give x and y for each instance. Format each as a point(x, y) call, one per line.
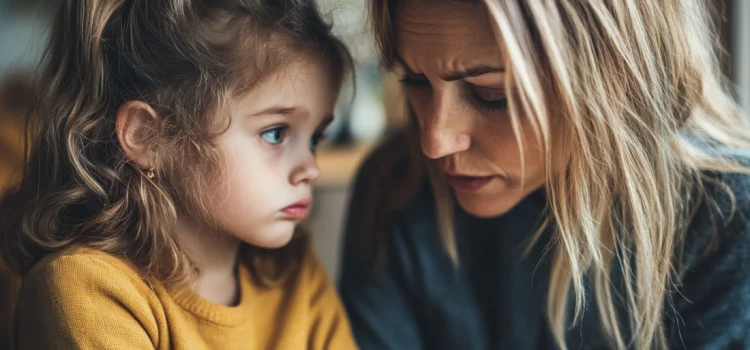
point(174, 158)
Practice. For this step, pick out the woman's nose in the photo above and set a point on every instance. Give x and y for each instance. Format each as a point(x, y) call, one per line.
point(442, 131)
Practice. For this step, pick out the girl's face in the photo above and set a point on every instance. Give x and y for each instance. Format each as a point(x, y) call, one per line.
point(455, 82)
point(269, 150)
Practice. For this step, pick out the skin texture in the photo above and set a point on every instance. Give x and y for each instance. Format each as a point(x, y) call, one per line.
point(455, 81)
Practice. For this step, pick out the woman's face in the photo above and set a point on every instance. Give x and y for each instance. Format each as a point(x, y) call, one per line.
point(454, 76)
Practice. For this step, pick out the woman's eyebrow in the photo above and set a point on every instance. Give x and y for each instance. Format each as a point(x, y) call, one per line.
point(471, 72)
point(458, 74)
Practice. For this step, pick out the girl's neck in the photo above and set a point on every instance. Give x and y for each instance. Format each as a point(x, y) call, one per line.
point(215, 256)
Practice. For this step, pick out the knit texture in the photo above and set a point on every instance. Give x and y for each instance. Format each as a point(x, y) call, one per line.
point(86, 299)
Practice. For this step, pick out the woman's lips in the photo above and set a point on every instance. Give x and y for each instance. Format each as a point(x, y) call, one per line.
point(469, 183)
point(298, 210)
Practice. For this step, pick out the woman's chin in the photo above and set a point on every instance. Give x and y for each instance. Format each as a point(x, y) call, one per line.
point(488, 206)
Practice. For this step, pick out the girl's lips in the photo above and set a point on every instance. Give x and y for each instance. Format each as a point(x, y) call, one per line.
point(469, 183)
point(299, 210)
point(296, 212)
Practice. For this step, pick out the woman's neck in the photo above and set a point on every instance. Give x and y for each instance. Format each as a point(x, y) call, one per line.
point(215, 256)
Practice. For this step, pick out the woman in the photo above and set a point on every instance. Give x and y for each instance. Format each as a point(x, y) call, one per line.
point(582, 183)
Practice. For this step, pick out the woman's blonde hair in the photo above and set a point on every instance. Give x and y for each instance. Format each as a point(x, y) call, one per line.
point(186, 59)
point(639, 93)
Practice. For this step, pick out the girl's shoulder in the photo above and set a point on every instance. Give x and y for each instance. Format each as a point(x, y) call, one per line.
point(82, 262)
point(78, 275)
point(85, 297)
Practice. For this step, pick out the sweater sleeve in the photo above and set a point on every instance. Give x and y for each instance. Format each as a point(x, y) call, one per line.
point(329, 328)
point(83, 302)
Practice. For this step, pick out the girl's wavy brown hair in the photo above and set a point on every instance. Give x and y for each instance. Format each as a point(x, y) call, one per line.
point(185, 58)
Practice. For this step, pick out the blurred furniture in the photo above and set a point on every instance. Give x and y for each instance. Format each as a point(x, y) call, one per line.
point(14, 97)
point(331, 193)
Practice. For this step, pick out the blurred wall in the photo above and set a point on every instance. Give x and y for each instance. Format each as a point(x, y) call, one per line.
point(22, 36)
point(739, 46)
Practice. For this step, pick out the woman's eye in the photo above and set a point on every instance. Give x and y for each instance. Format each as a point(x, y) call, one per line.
point(316, 139)
point(274, 136)
point(490, 100)
point(492, 105)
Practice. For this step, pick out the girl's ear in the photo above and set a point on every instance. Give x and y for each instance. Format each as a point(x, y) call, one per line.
point(133, 117)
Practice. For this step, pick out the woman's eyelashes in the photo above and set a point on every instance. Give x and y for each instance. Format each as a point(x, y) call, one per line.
point(485, 98)
point(492, 103)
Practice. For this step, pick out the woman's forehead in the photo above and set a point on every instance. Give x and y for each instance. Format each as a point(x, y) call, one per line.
point(444, 35)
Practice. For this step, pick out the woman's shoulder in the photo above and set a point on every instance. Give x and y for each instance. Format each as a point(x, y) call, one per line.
point(721, 222)
point(713, 282)
point(726, 194)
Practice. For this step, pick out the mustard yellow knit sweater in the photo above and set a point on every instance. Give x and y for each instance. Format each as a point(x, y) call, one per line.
point(86, 299)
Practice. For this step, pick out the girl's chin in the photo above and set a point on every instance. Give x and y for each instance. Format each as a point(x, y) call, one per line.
point(271, 236)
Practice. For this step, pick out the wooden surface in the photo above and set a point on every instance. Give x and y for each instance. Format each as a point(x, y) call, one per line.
point(339, 165)
point(11, 149)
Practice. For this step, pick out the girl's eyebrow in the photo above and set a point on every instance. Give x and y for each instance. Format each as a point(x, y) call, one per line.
point(289, 111)
point(277, 110)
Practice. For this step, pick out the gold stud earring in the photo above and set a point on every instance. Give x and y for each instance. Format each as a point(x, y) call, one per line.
point(150, 173)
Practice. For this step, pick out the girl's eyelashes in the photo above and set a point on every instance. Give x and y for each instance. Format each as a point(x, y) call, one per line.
point(274, 135)
point(277, 135)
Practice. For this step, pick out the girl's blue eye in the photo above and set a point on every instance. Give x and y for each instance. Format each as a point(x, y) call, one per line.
point(316, 140)
point(274, 136)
